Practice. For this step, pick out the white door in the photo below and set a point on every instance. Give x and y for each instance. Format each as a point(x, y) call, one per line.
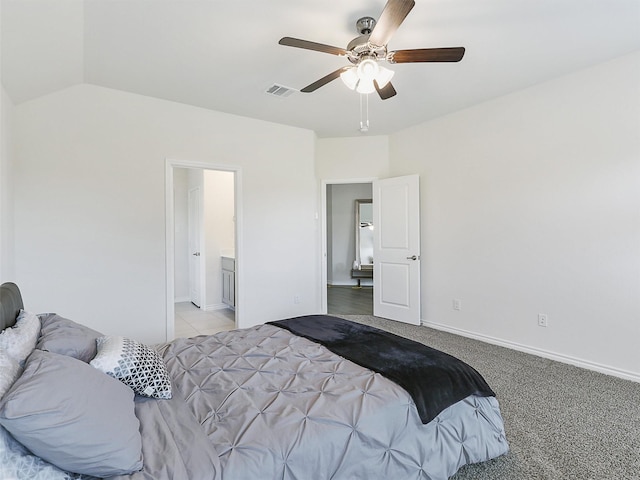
point(396, 258)
point(194, 246)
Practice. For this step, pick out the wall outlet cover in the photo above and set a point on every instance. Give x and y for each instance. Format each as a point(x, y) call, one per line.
point(543, 320)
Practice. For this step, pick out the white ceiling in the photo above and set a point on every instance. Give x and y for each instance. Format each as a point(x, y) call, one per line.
point(224, 55)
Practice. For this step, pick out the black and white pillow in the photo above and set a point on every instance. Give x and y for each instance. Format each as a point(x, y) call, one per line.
point(134, 364)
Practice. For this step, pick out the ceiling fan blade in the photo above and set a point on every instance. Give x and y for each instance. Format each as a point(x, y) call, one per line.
point(394, 13)
point(450, 54)
point(323, 81)
point(385, 92)
point(307, 45)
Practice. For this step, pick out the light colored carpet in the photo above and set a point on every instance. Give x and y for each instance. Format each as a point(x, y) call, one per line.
point(562, 422)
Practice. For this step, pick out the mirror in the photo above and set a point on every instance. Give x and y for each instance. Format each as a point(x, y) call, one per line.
point(364, 234)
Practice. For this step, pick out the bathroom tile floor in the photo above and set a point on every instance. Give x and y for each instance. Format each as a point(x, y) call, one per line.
point(191, 321)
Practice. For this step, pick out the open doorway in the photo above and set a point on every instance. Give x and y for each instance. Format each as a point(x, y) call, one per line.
point(201, 249)
point(396, 246)
point(349, 270)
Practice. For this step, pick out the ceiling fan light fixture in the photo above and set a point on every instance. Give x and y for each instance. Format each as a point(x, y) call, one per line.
point(350, 78)
point(368, 69)
point(360, 79)
point(365, 86)
point(384, 76)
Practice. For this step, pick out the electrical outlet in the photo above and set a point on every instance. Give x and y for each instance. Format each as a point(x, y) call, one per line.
point(457, 304)
point(296, 299)
point(543, 321)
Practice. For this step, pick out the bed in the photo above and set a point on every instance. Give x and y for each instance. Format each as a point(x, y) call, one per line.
point(262, 402)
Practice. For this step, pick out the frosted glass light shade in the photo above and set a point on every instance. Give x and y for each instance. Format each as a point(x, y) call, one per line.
point(368, 69)
point(365, 86)
point(350, 77)
point(384, 76)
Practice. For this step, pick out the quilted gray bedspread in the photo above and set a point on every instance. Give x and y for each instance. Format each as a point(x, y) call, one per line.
point(277, 406)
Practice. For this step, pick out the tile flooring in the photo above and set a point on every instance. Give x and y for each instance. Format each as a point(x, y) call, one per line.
point(191, 321)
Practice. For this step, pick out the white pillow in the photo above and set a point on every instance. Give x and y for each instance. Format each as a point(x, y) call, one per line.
point(20, 340)
point(9, 371)
point(136, 365)
point(17, 462)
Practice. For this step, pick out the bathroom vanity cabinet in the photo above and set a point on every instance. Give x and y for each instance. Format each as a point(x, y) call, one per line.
point(229, 281)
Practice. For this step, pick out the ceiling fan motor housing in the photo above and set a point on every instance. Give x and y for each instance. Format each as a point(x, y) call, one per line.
point(365, 25)
point(359, 48)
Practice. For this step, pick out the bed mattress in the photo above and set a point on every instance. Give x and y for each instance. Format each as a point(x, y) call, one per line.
point(277, 406)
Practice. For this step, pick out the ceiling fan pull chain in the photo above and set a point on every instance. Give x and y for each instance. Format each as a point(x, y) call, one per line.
point(364, 113)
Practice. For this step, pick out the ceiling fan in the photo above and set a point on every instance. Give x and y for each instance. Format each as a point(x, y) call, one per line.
point(367, 50)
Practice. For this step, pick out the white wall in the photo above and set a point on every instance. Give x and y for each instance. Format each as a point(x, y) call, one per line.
point(531, 204)
point(7, 271)
point(352, 158)
point(90, 207)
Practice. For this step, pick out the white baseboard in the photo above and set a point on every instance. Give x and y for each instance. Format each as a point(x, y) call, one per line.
point(578, 362)
point(216, 306)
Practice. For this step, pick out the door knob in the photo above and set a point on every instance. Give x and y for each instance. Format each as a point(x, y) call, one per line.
point(413, 257)
point(197, 254)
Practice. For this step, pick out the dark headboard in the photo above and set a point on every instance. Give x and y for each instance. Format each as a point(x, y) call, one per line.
point(10, 304)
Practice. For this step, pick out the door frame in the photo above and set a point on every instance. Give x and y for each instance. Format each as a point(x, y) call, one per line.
point(170, 165)
point(323, 233)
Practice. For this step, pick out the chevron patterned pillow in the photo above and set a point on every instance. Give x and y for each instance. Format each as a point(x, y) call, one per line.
point(136, 365)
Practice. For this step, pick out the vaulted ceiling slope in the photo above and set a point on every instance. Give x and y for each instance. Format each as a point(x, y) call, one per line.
point(224, 55)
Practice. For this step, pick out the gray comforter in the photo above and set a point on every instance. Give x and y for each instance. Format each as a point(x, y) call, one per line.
point(262, 403)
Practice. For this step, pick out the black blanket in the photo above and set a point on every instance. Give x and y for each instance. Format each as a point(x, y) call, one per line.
point(434, 379)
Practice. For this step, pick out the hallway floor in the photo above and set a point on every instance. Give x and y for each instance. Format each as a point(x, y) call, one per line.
point(191, 321)
point(347, 300)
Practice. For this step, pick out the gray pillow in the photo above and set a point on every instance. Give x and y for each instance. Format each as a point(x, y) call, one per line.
point(73, 416)
point(66, 337)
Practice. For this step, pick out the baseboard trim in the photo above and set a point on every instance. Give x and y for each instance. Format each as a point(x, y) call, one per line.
point(577, 362)
point(216, 306)
point(206, 308)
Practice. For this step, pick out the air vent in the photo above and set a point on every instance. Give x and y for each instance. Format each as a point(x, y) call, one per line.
point(279, 90)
